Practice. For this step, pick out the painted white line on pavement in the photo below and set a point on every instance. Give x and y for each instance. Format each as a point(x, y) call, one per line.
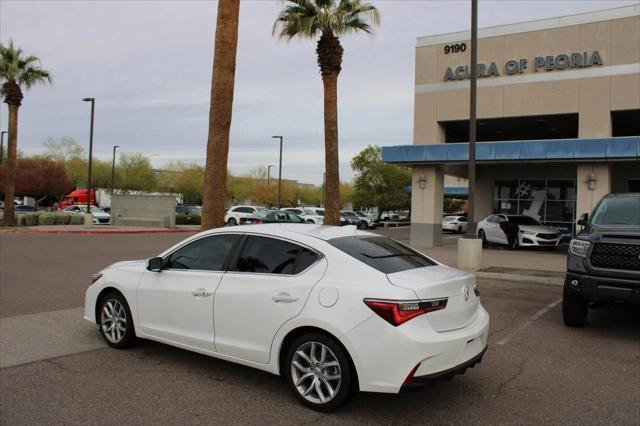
point(35, 337)
point(535, 317)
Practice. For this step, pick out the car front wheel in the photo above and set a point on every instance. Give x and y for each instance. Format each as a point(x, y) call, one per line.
point(232, 222)
point(116, 324)
point(319, 372)
point(574, 309)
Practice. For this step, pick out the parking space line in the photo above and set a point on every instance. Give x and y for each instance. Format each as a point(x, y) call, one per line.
point(535, 317)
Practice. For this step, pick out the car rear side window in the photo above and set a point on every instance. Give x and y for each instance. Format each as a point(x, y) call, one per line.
point(268, 256)
point(205, 254)
point(381, 253)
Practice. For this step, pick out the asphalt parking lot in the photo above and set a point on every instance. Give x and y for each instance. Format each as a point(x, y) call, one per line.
point(56, 370)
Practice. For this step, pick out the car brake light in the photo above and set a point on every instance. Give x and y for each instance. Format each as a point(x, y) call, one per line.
point(95, 278)
point(398, 312)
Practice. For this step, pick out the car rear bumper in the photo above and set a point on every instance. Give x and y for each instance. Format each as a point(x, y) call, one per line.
point(387, 355)
point(430, 379)
point(606, 289)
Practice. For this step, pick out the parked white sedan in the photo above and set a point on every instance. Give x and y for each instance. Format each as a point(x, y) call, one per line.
point(517, 231)
point(98, 216)
point(234, 214)
point(456, 224)
point(332, 309)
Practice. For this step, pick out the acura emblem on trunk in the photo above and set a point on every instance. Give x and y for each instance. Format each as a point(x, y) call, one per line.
point(466, 293)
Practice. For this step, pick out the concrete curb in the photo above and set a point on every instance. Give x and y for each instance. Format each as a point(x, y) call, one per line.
point(108, 232)
point(521, 278)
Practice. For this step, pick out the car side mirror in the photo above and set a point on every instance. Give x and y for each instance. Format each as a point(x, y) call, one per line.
point(584, 217)
point(155, 264)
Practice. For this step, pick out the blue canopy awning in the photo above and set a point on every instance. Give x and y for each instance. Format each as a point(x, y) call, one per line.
point(627, 147)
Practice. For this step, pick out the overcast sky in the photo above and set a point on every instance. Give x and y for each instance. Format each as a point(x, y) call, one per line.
point(148, 64)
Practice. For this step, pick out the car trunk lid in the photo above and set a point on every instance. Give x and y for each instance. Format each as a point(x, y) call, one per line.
point(437, 282)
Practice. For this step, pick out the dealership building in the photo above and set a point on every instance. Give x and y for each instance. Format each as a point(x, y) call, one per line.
point(558, 118)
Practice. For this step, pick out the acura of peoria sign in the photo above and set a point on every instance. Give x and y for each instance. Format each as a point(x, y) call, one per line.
point(540, 63)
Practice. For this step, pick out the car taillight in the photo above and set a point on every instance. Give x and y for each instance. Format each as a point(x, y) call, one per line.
point(257, 222)
point(398, 312)
point(95, 278)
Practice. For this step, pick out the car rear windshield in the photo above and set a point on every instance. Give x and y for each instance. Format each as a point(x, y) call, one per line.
point(618, 211)
point(381, 253)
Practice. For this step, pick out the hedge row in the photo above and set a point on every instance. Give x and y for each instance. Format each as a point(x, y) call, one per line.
point(51, 218)
point(183, 219)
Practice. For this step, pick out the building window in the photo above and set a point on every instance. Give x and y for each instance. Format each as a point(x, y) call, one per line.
point(552, 202)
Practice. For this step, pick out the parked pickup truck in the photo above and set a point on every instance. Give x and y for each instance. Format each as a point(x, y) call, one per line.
point(603, 263)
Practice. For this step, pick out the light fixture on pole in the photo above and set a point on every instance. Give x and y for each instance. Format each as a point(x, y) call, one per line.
point(591, 181)
point(269, 173)
point(422, 182)
point(93, 107)
point(2, 145)
point(113, 171)
point(279, 173)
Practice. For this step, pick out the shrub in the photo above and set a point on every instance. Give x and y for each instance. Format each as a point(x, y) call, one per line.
point(61, 218)
point(76, 219)
point(182, 219)
point(46, 219)
point(31, 219)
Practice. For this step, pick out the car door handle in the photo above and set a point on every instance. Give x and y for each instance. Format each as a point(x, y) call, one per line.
point(201, 292)
point(284, 298)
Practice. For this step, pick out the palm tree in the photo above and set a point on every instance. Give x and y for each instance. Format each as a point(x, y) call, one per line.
point(220, 110)
point(328, 19)
point(16, 70)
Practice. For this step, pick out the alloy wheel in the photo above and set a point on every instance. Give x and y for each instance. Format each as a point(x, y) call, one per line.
point(316, 372)
point(113, 320)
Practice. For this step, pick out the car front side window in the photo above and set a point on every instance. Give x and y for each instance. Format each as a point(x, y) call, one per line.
point(206, 254)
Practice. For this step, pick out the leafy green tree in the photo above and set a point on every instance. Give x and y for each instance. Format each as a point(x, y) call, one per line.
point(328, 19)
point(135, 173)
point(378, 184)
point(186, 179)
point(16, 70)
point(64, 150)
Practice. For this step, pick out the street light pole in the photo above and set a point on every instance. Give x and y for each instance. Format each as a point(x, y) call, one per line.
point(93, 108)
point(113, 171)
point(2, 145)
point(279, 173)
point(471, 228)
point(269, 173)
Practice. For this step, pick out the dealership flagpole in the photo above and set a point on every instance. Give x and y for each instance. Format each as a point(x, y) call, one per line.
point(471, 228)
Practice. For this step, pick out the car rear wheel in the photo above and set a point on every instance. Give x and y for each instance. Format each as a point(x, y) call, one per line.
point(574, 309)
point(319, 372)
point(232, 222)
point(459, 229)
point(514, 244)
point(483, 237)
point(116, 324)
point(363, 225)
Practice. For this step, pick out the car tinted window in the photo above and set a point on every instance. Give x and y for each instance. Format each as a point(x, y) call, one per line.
point(523, 220)
point(306, 259)
point(205, 254)
point(381, 253)
point(268, 256)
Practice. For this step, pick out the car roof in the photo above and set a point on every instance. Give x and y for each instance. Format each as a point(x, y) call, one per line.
point(322, 232)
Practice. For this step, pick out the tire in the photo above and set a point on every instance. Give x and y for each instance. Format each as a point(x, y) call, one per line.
point(574, 309)
point(515, 244)
point(113, 315)
point(342, 377)
point(483, 237)
point(232, 222)
point(363, 225)
point(310, 221)
point(459, 229)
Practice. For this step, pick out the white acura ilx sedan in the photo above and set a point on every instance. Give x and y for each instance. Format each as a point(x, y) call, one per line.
point(332, 309)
